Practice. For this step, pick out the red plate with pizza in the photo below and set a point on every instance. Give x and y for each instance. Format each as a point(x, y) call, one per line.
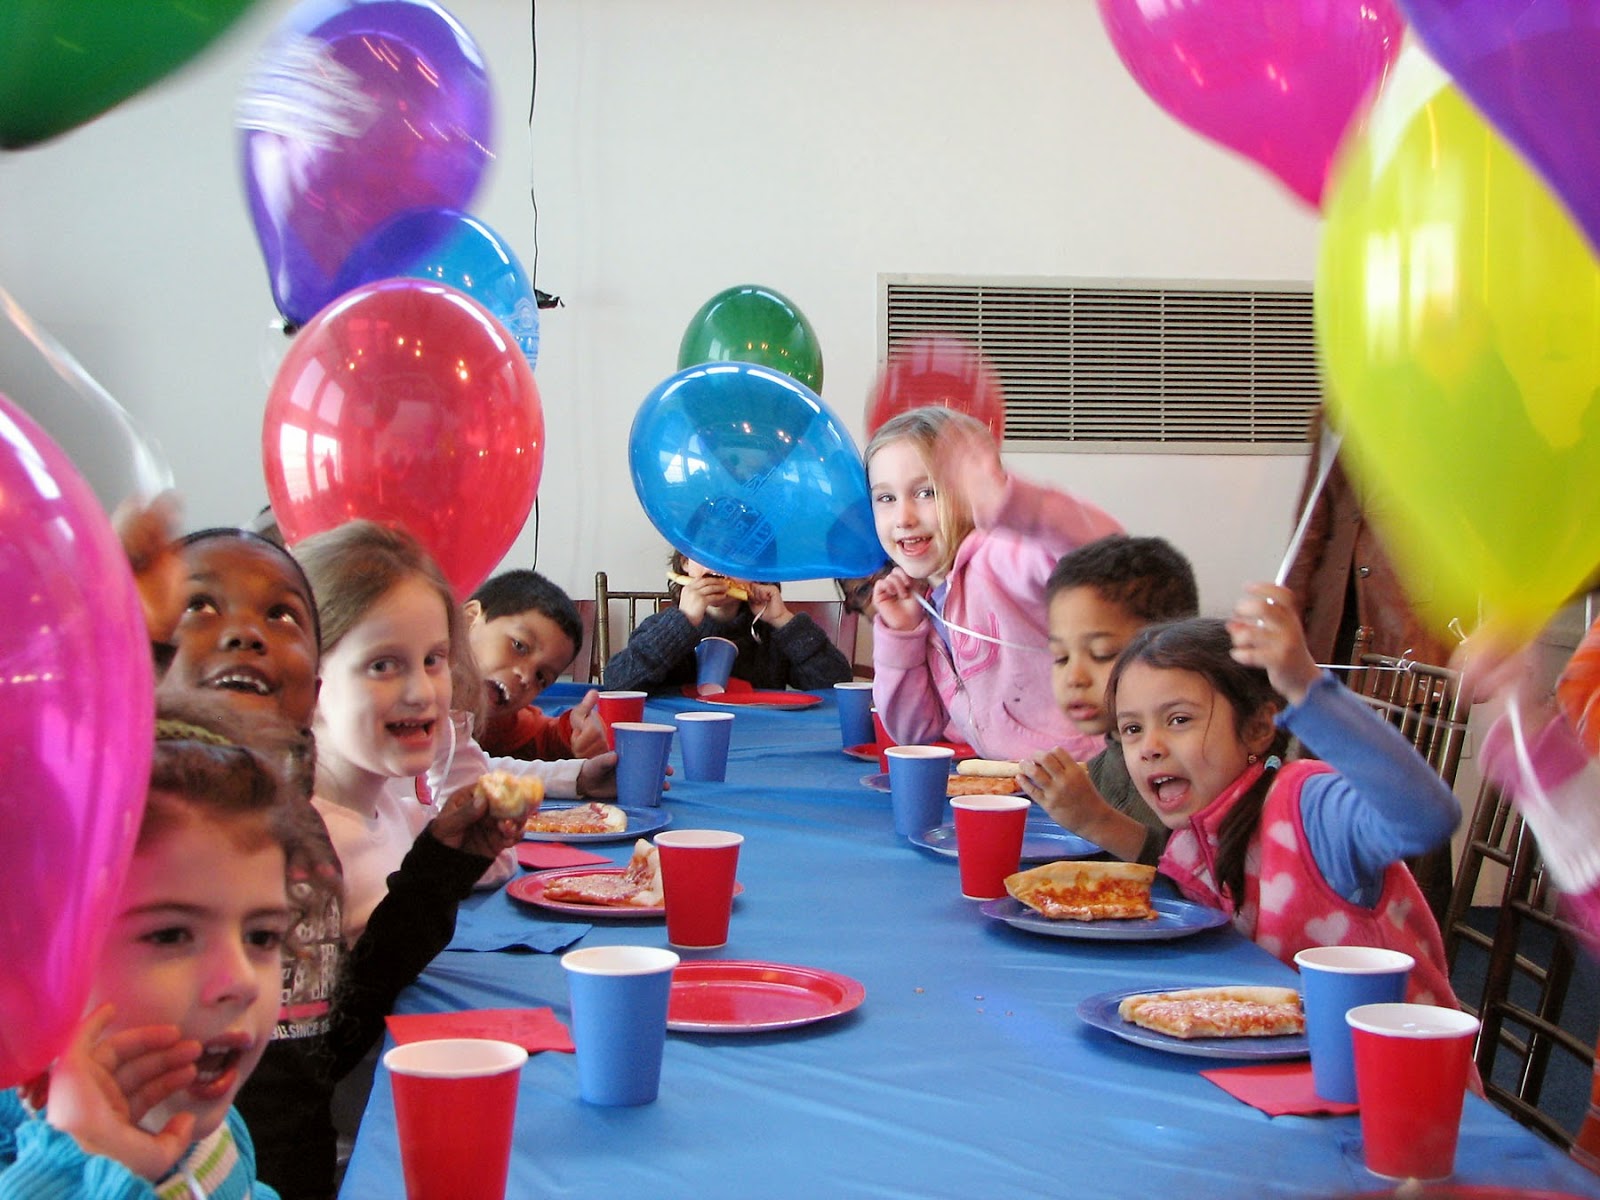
point(530, 889)
point(712, 995)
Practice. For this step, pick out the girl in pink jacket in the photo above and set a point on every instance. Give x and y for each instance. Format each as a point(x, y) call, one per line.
point(960, 648)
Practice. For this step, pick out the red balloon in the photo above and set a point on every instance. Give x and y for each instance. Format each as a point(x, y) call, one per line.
point(406, 403)
point(938, 370)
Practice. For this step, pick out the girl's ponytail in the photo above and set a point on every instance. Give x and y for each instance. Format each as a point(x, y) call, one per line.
point(1239, 826)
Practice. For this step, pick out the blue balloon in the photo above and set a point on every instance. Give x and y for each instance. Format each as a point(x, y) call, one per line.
point(442, 245)
point(745, 470)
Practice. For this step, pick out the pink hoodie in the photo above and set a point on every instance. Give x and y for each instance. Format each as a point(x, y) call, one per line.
point(997, 698)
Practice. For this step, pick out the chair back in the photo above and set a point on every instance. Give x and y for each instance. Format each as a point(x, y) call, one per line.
point(1511, 966)
point(610, 606)
point(582, 669)
point(1426, 704)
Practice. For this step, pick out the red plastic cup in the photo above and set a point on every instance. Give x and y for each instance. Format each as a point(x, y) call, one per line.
point(1412, 1062)
point(619, 706)
point(455, 1103)
point(698, 867)
point(883, 739)
point(989, 832)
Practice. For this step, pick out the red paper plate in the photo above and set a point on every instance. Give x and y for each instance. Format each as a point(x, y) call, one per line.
point(1457, 1191)
point(866, 752)
point(530, 890)
point(731, 996)
point(755, 699)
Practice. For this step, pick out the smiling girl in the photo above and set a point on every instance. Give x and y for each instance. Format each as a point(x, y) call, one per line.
point(185, 995)
point(977, 546)
point(1300, 854)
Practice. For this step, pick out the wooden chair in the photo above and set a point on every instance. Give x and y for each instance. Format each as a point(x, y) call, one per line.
point(583, 669)
point(1427, 705)
point(1534, 1066)
point(631, 603)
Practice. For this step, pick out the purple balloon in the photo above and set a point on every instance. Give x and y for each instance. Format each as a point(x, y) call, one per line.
point(355, 112)
point(1530, 67)
point(76, 718)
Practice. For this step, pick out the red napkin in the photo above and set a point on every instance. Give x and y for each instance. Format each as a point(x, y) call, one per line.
point(533, 1029)
point(537, 856)
point(1277, 1089)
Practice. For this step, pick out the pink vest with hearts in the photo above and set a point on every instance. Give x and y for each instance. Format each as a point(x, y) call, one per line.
point(1288, 905)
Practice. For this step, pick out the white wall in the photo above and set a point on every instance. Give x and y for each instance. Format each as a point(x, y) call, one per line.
point(680, 147)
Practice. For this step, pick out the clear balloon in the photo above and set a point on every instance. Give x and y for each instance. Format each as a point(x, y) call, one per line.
point(1530, 67)
point(1280, 81)
point(452, 248)
point(745, 470)
point(1458, 319)
point(107, 445)
point(77, 716)
point(356, 111)
point(754, 324)
point(941, 370)
point(406, 403)
point(64, 62)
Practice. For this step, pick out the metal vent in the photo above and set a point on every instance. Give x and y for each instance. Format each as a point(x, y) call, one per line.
point(1192, 367)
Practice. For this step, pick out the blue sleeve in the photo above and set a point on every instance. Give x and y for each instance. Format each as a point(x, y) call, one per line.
point(39, 1162)
point(1382, 803)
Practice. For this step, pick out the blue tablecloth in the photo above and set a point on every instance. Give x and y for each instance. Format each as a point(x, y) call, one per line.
point(966, 1072)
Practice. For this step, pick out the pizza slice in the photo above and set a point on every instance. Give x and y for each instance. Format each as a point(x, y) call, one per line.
point(510, 797)
point(1217, 1012)
point(977, 785)
point(1086, 891)
point(637, 886)
point(579, 818)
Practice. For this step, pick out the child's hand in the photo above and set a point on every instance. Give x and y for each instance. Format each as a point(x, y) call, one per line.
point(588, 730)
point(464, 824)
point(703, 594)
point(1267, 633)
point(766, 601)
point(101, 1088)
point(1060, 785)
point(598, 775)
point(895, 598)
point(149, 538)
point(966, 464)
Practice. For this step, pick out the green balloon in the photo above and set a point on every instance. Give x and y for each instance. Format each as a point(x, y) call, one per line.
point(63, 62)
point(755, 325)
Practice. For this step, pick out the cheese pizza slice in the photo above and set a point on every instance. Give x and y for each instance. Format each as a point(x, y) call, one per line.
point(579, 818)
point(1217, 1012)
point(1086, 891)
point(638, 886)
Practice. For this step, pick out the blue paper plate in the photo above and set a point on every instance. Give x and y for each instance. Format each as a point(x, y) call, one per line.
point(1100, 1011)
point(1174, 919)
point(1042, 841)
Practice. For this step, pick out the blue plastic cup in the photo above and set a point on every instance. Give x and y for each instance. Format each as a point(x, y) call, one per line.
point(715, 656)
point(918, 776)
point(704, 739)
point(619, 998)
point(855, 713)
point(642, 749)
point(1333, 980)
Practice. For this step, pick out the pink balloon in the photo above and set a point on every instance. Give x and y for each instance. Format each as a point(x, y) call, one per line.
point(77, 703)
point(1529, 66)
point(1277, 80)
point(406, 403)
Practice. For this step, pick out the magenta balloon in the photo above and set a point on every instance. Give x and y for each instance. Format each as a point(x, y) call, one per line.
point(76, 719)
point(1277, 80)
point(1530, 67)
point(355, 112)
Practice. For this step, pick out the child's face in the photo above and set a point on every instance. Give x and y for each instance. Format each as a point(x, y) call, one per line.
point(518, 655)
point(1087, 632)
point(246, 632)
point(1181, 739)
point(386, 686)
point(197, 942)
point(905, 510)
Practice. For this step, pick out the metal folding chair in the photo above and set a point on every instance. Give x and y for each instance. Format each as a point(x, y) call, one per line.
point(630, 603)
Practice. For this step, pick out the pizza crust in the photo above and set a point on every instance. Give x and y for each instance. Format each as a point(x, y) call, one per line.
point(511, 797)
point(1217, 1012)
point(989, 768)
point(975, 785)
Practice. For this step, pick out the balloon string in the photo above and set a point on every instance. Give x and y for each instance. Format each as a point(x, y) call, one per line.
point(151, 471)
point(982, 637)
point(1327, 451)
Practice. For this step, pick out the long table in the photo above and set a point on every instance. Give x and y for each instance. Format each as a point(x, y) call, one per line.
point(965, 1073)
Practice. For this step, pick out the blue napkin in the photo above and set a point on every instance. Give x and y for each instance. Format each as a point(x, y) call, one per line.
point(493, 921)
